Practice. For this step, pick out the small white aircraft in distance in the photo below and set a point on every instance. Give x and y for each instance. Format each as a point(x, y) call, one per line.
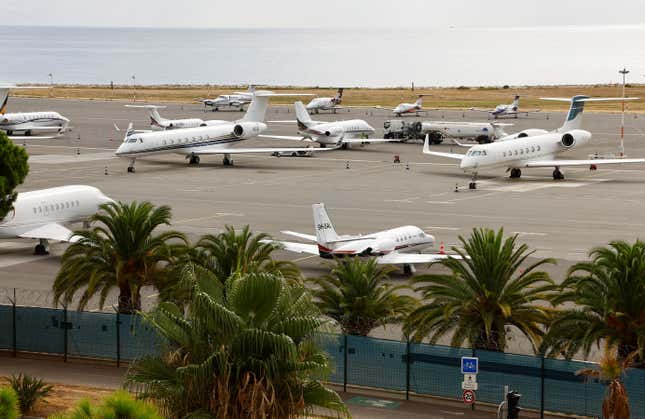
point(157, 122)
point(407, 108)
point(326, 103)
point(195, 142)
point(236, 100)
point(29, 124)
point(385, 245)
point(534, 148)
point(512, 109)
point(43, 214)
point(336, 134)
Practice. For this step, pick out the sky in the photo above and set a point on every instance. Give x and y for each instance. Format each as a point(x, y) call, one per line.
point(322, 13)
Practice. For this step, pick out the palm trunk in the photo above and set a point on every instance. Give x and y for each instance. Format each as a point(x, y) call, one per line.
point(128, 303)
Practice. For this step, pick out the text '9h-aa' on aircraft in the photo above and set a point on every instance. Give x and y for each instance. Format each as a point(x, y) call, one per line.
point(512, 110)
point(534, 148)
point(157, 122)
point(19, 125)
point(236, 100)
point(336, 134)
point(385, 245)
point(195, 142)
point(43, 214)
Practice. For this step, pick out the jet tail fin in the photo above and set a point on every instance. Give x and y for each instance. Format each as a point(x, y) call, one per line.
point(516, 101)
point(419, 101)
point(4, 98)
point(325, 231)
point(339, 96)
point(302, 116)
point(573, 120)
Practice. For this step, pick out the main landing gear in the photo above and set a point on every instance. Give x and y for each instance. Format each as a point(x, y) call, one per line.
point(227, 161)
point(131, 166)
point(473, 182)
point(193, 160)
point(408, 270)
point(42, 248)
point(557, 174)
point(516, 173)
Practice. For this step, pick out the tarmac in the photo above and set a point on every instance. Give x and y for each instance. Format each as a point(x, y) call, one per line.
point(363, 189)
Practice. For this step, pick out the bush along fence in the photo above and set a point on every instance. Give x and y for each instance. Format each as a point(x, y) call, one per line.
point(545, 384)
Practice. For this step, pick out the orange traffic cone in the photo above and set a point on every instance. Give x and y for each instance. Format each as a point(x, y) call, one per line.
point(442, 249)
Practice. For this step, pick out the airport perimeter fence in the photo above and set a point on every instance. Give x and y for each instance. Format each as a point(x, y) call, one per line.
point(409, 368)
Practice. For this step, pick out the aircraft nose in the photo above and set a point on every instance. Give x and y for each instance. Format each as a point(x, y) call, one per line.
point(430, 239)
point(121, 150)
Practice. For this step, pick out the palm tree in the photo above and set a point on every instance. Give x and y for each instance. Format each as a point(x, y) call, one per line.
point(358, 296)
point(242, 349)
point(609, 296)
point(121, 251)
point(486, 291)
point(241, 252)
point(610, 371)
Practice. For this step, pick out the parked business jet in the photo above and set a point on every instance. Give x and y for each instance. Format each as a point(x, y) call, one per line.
point(236, 100)
point(512, 109)
point(157, 122)
point(42, 214)
point(337, 134)
point(195, 142)
point(18, 125)
point(326, 103)
point(384, 245)
point(535, 148)
point(407, 108)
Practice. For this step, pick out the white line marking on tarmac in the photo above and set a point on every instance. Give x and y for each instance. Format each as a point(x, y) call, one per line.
point(441, 202)
point(528, 233)
point(442, 228)
point(304, 258)
point(69, 158)
point(209, 217)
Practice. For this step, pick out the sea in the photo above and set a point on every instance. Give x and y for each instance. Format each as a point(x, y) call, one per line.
point(374, 57)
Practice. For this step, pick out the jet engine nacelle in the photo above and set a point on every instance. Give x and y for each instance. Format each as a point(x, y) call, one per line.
point(576, 137)
point(248, 129)
point(333, 133)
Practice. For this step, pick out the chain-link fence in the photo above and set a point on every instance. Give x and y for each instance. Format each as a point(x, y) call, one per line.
point(545, 384)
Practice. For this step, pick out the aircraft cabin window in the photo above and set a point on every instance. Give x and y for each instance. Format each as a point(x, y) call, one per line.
point(141, 140)
point(538, 148)
point(35, 211)
point(527, 150)
point(532, 149)
point(77, 204)
point(515, 152)
point(40, 210)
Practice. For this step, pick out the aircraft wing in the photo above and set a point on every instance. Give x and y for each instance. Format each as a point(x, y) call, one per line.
point(426, 150)
point(588, 162)
point(304, 236)
point(311, 249)
point(50, 231)
point(396, 258)
point(207, 150)
point(481, 110)
point(284, 137)
point(369, 140)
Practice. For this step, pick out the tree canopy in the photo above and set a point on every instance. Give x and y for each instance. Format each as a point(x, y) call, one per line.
point(13, 171)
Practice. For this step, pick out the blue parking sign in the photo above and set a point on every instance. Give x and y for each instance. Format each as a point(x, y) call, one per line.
point(469, 365)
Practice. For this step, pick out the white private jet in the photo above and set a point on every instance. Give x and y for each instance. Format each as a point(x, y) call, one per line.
point(326, 103)
point(407, 108)
point(157, 122)
point(337, 134)
point(512, 109)
point(384, 245)
point(29, 124)
point(236, 100)
point(42, 214)
point(195, 142)
point(534, 148)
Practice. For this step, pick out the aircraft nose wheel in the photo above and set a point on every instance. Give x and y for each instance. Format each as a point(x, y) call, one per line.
point(194, 160)
point(41, 248)
point(227, 161)
point(473, 182)
point(516, 173)
point(557, 174)
point(131, 166)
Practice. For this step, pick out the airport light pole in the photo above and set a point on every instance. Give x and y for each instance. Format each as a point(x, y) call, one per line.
point(621, 149)
point(134, 92)
point(51, 79)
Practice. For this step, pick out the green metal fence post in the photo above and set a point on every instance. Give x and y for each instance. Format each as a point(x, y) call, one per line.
point(472, 406)
point(64, 333)
point(407, 368)
point(345, 363)
point(541, 386)
point(13, 321)
point(118, 340)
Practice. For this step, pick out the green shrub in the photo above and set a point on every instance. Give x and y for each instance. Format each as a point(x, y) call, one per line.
point(29, 390)
point(119, 405)
point(9, 406)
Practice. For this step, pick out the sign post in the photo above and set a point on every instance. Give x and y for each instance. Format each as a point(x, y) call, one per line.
point(469, 368)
